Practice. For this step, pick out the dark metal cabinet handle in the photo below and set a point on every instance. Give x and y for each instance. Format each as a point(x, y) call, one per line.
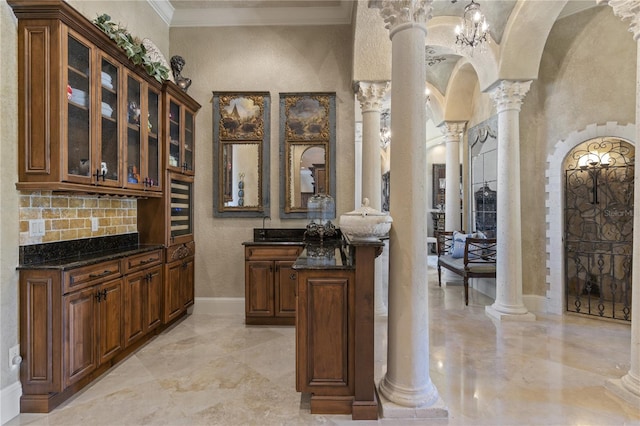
point(293, 276)
point(103, 274)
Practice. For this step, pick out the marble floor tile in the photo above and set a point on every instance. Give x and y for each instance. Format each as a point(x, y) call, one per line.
point(214, 370)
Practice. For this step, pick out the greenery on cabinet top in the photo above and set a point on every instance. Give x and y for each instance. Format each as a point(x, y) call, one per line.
point(132, 47)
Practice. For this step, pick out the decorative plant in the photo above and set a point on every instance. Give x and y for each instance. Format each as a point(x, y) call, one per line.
point(132, 47)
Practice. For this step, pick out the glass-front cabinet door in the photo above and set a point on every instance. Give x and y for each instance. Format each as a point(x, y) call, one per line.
point(77, 129)
point(152, 179)
point(181, 138)
point(133, 139)
point(175, 137)
point(188, 142)
point(106, 170)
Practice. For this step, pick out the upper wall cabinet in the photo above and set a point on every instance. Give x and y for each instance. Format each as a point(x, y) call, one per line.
point(181, 111)
point(89, 120)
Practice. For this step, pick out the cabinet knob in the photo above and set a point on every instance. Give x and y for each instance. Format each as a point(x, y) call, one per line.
point(293, 276)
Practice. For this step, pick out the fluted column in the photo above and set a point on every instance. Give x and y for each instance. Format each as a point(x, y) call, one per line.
point(508, 97)
point(407, 390)
point(628, 388)
point(452, 131)
point(370, 95)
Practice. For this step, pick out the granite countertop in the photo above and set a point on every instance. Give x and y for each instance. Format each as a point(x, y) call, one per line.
point(328, 255)
point(65, 255)
point(86, 259)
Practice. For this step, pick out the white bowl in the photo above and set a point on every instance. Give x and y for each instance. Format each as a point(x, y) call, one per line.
point(365, 222)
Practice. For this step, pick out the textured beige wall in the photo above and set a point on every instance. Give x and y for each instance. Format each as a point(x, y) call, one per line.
point(142, 21)
point(136, 16)
point(274, 59)
point(9, 198)
point(587, 75)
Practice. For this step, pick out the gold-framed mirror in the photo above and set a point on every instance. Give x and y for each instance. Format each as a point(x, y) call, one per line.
point(241, 153)
point(307, 150)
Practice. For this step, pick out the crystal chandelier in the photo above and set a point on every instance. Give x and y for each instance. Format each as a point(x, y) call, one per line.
point(474, 31)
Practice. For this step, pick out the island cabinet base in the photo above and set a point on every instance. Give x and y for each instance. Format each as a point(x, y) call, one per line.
point(335, 331)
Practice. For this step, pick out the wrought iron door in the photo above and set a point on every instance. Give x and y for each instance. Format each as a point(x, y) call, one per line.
point(599, 228)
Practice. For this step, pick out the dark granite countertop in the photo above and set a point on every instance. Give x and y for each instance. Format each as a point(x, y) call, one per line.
point(65, 255)
point(92, 258)
point(328, 255)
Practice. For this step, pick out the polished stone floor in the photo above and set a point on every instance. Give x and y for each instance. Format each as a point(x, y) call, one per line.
point(214, 370)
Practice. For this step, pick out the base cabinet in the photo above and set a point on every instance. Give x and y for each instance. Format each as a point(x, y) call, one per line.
point(93, 328)
point(179, 292)
point(75, 323)
point(178, 283)
point(335, 331)
point(143, 303)
point(270, 284)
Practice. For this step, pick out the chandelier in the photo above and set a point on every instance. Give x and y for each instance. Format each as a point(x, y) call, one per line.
point(385, 130)
point(474, 30)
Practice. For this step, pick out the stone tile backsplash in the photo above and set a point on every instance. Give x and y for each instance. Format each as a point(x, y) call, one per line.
point(68, 216)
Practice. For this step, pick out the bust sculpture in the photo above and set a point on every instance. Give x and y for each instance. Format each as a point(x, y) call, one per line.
point(177, 63)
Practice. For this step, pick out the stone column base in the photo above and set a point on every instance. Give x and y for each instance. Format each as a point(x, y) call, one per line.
point(503, 316)
point(390, 410)
point(620, 388)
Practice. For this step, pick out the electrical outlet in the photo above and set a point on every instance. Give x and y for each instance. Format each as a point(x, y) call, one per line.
point(14, 357)
point(94, 224)
point(36, 228)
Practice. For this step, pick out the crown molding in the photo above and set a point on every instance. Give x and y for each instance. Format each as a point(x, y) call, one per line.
point(164, 9)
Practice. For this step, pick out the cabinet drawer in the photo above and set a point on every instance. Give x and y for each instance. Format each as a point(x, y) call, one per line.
point(77, 279)
point(144, 260)
point(272, 252)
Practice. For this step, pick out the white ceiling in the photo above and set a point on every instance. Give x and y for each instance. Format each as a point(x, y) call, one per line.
point(196, 13)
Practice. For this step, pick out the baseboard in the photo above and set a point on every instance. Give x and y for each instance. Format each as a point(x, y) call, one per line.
point(10, 397)
point(219, 305)
point(486, 286)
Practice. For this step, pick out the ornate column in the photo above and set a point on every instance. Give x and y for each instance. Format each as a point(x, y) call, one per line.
point(370, 96)
point(628, 387)
point(452, 131)
point(508, 96)
point(407, 390)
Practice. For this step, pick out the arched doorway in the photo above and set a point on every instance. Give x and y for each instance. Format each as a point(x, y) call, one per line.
point(598, 228)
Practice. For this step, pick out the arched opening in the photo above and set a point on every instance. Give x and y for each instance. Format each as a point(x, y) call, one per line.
point(598, 228)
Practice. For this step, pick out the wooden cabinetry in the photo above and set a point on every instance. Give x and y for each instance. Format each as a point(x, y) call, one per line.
point(270, 284)
point(335, 331)
point(178, 287)
point(74, 324)
point(89, 119)
point(180, 130)
point(143, 295)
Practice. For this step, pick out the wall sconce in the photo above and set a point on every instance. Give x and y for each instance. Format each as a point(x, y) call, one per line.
point(593, 162)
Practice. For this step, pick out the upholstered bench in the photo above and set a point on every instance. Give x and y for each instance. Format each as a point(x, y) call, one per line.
point(478, 260)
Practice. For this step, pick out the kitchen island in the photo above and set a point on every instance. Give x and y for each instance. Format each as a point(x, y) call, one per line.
point(335, 326)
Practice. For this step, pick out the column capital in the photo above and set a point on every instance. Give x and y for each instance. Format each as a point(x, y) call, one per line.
point(508, 95)
point(627, 9)
point(371, 93)
point(452, 129)
point(401, 14)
